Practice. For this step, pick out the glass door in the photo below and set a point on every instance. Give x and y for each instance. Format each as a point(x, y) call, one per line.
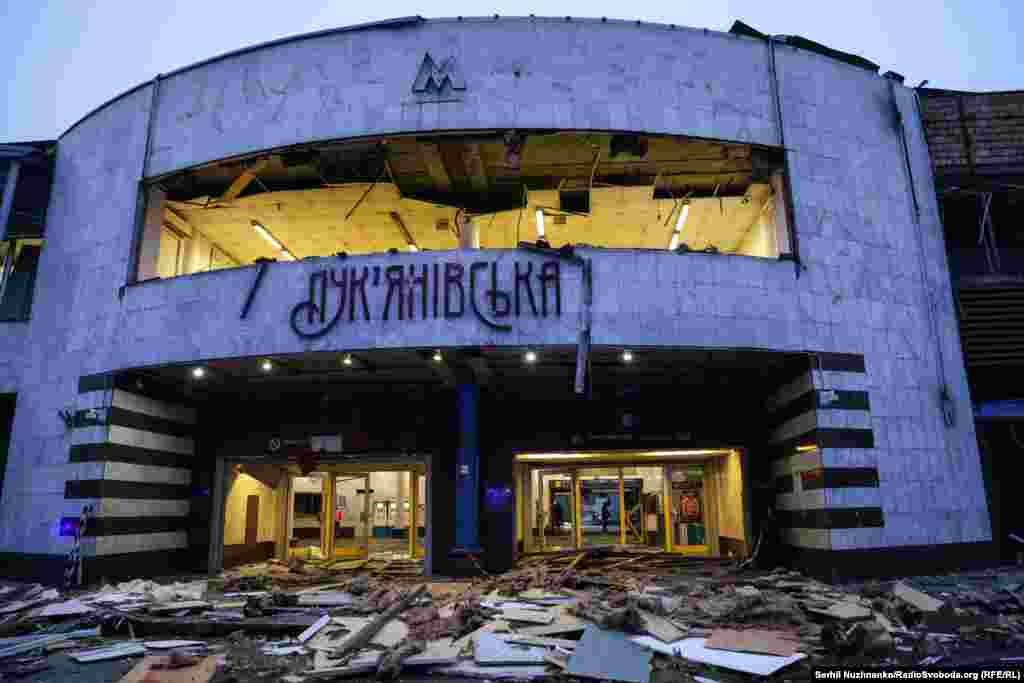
point(601, 506)
point(349, 518)
point(555, 510)
point(687, 508)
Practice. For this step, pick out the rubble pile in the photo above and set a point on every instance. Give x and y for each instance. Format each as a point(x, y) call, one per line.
point(613, 614)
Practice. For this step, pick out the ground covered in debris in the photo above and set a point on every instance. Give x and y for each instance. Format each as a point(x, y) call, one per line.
point(612, 614)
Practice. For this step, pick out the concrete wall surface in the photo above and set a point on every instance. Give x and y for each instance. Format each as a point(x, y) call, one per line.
point(872, 279)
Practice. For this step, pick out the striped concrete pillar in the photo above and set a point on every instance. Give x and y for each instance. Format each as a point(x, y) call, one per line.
point(826, 480)
point(141, 501)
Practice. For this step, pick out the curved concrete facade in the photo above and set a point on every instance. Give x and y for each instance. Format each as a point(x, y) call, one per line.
point(870, 280)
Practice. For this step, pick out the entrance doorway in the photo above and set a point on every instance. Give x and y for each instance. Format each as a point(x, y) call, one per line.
point(686, 501)
point(380, 514)
point(372, 510)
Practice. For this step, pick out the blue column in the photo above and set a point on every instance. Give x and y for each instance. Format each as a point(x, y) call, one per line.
point(467, 470)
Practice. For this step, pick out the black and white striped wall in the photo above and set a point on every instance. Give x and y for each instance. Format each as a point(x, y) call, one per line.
point(142, 498)
point(826, 479)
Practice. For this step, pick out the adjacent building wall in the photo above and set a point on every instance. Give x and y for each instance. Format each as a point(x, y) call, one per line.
point(974, 133)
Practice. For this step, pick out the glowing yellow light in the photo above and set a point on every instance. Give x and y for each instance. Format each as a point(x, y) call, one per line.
point(628, 455)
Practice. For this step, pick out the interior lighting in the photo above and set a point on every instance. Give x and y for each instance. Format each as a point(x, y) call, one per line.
point(540, 224)
point(806, 449)
point(438, 357)
point(678, 229)
point(630, 455)
point(198, 372)
point(265, 234)
point(627, 356)
point(273, 241)
point(266, 366)
point(530, 357)
point(347, 360)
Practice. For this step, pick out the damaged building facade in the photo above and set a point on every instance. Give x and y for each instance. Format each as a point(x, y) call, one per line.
point(459, 289)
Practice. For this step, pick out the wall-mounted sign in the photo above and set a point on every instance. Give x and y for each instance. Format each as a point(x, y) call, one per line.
point(274, 445)
point(428, 291)
point(591, 437)
point(435, 78)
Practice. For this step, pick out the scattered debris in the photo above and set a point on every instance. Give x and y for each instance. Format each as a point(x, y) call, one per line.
point(126, 649)
point(669, 618)
point(696, 650)
point(314, 629)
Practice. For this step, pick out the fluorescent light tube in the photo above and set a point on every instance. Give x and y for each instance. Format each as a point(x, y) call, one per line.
point(265, 234)
point(681, 221)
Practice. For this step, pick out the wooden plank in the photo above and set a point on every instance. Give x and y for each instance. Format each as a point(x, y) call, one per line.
point(528, 615)
point(916, 598)
point(177, 606)
point(143, 672)
point(243, 180)
point(661, 628)
point(756, 641)
point(552, 630)
point(843, 611)
point(542, 642)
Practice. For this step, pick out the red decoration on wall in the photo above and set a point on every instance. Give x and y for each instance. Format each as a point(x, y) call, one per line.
point(689, 507)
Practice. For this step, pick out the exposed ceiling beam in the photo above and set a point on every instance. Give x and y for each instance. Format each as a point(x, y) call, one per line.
point(242, 181)
point(431, 155)
point(396, 218)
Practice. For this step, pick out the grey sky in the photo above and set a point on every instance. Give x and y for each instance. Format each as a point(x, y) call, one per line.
point(62, 59)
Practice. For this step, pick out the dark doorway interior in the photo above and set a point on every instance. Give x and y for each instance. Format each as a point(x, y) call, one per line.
point(6, 422)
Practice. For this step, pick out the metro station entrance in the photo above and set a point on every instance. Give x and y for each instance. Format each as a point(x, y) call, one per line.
point(681, 501)
point(373, 510)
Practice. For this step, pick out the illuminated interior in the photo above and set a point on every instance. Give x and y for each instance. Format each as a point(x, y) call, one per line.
point(489, 190)
point(336, 512)
point(682, 501)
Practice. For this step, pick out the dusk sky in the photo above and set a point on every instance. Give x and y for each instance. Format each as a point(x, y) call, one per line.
point(62, 59)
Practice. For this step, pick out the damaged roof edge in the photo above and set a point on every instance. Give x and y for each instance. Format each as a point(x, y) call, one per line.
point(22, 150)
point(941, 92)
point(386, 23)
point(742, 29)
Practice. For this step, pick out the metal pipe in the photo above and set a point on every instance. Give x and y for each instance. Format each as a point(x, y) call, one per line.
point(133, 259)
point(794, 239)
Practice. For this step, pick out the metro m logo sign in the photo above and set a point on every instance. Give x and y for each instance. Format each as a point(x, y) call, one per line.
point(433, 78)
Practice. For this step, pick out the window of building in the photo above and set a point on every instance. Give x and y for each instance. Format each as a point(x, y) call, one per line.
point(490, 190)
point(19, 260)
point(26, 172)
